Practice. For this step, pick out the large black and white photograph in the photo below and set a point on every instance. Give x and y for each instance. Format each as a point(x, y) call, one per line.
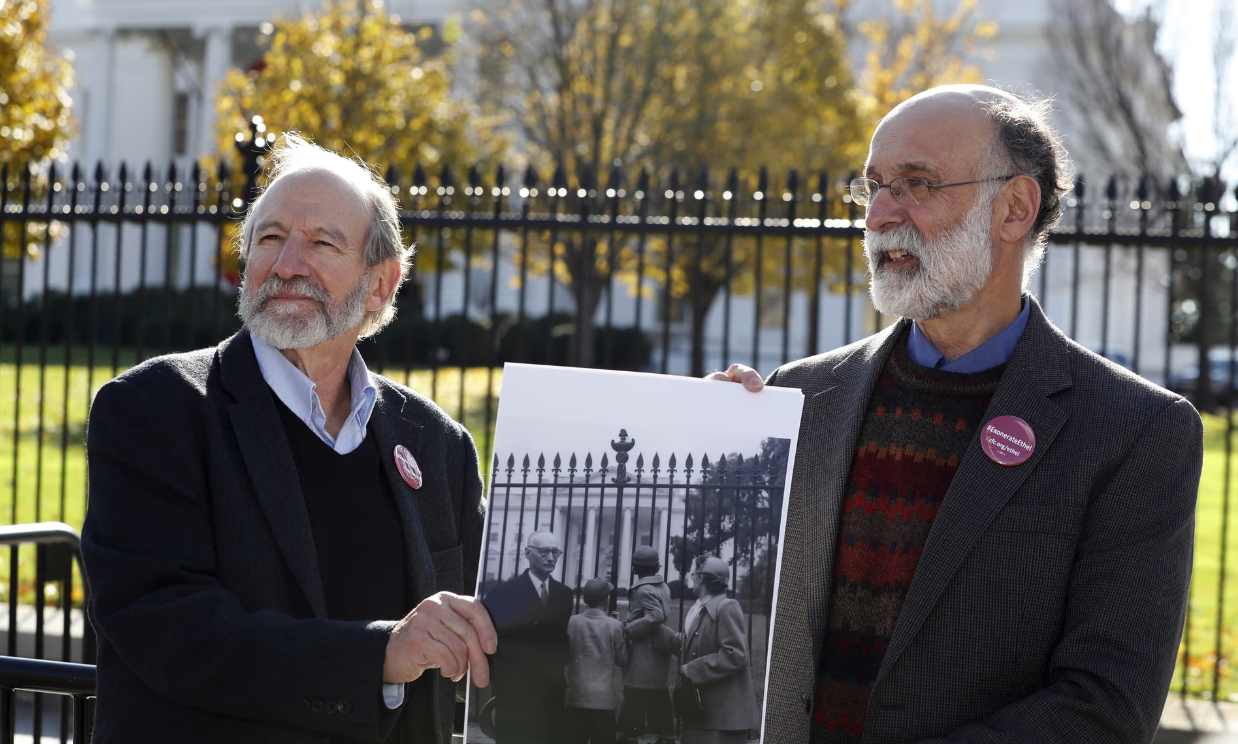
point(631, 558)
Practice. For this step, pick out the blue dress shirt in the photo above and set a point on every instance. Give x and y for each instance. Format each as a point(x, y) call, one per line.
point(300, 394)
point(987, 355)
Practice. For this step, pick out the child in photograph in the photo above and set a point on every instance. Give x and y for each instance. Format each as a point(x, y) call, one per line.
point(597, 652)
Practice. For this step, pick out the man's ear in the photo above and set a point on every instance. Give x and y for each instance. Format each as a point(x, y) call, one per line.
point(1020, 200)
point(384, 279)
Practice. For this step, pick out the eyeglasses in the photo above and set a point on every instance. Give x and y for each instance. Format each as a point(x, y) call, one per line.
point(907, 190)
point(547, 552)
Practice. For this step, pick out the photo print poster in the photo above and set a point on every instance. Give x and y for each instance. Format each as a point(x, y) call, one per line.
point(630, 562)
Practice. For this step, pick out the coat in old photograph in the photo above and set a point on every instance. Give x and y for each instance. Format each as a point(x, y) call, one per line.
point(715, 658)
point(527, 671)
point(648, 603)
point(598, 654)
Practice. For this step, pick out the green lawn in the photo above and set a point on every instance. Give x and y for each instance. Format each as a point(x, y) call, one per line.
point(61, 483)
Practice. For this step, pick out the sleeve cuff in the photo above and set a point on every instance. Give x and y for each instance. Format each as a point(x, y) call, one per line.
point(393, 695)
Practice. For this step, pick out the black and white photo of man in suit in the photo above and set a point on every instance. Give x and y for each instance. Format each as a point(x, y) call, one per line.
point(530, 613)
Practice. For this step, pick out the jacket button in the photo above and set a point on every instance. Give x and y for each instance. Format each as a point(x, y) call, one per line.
point(303, 705)
point(316, 707)
point(331, 707)
point(345, 707)
point(807, 702)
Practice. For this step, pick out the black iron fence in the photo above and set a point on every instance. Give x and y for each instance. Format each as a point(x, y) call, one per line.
point(57, 576)
point(651, 270)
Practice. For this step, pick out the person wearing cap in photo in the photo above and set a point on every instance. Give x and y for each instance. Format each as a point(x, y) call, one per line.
point(598, 652)
point(646, 684)
point(989, 529)
point(530, 613)
point(715, 662)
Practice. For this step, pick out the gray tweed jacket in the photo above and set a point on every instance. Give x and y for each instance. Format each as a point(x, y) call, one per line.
point(1049, 600)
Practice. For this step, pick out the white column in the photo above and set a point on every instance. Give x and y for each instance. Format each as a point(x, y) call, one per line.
point(660, 546)
point(591, 540)
point(218, 60)
point(625, 548)
point(99, 117)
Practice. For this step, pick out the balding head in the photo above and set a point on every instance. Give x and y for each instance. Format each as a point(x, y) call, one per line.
point(995, 133)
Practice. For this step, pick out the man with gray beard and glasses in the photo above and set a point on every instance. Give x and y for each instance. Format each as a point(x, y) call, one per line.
point(278, 540)
point(990, 527)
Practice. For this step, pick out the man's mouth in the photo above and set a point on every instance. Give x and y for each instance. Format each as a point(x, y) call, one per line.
point(897, 259)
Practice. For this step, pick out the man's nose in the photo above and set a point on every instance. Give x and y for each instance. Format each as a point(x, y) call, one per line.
point(884, 211)
point(291, 259)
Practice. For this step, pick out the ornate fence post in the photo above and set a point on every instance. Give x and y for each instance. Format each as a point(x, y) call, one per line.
point(621, 448)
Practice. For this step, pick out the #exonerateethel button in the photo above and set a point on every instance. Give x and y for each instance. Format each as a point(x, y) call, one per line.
point(1008, 440)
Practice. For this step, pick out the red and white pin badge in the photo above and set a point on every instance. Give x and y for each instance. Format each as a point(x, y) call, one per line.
point(407, 465)
point(1008, 440)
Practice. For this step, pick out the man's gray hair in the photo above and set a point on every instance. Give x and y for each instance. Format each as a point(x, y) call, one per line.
point(295, 154)
point(1026, 143)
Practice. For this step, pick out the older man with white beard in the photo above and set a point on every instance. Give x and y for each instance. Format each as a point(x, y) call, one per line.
point(990, 527)
point(277, 539)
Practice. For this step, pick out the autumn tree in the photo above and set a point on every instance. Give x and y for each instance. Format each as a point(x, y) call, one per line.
point(1117, 90)
point(355, 80)
point(683, 90)
point(36, 121)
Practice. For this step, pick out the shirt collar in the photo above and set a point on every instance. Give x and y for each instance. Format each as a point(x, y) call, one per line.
point(537, 583)
point(300, 394)
point(996, 351)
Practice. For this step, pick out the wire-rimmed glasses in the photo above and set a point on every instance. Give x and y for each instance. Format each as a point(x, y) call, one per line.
point(906, 190)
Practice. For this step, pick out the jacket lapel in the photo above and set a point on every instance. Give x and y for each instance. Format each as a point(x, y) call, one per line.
point(268, 458)
point(981, 487)
point(830, 427)
point(391, 428)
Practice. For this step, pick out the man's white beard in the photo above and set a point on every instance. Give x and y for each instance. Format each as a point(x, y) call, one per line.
point(291, 327)
point(949, 271)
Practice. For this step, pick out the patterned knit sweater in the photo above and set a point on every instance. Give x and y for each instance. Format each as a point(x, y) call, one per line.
point(918, 424)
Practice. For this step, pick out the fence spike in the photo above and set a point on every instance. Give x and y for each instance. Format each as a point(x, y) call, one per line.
point(823, 184)
point(500, 177)
point(511, 461)
point(763, 180)
point(732, 181)
point(702, 179)
point(571, 461)
point(675, 178)
point(586, 177)
point(588, 460)
point(656, 464)
point(793, 182)
point(1142, 191)
point(557, 461)
point(419, 176)
point(100, 173)
point(1111, 189)
point(444, 176)
point(223, 172)
point(640, 461)
point(474, 176)
point(559, 179)
point(76, 173)
point(605, 461)
point(614, 180)
point(525, 463)
point(671, 463)
point(688, 462)
point(541, 462)
point(530, 177)
point(642, 181)
point(148, 176)
point(496, 461)
point(392, 177)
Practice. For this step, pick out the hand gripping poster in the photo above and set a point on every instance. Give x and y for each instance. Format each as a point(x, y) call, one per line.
point(631, 556)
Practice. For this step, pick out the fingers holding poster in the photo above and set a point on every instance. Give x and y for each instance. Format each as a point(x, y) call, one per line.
point(631, 557)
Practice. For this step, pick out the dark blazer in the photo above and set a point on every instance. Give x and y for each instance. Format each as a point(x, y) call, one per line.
point(716, 659)
point(527, 672)
point(206, 592)
point(1048, 603)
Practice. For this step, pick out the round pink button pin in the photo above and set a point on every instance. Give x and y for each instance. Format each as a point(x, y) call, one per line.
point(1008, 440)
point(407, 465)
